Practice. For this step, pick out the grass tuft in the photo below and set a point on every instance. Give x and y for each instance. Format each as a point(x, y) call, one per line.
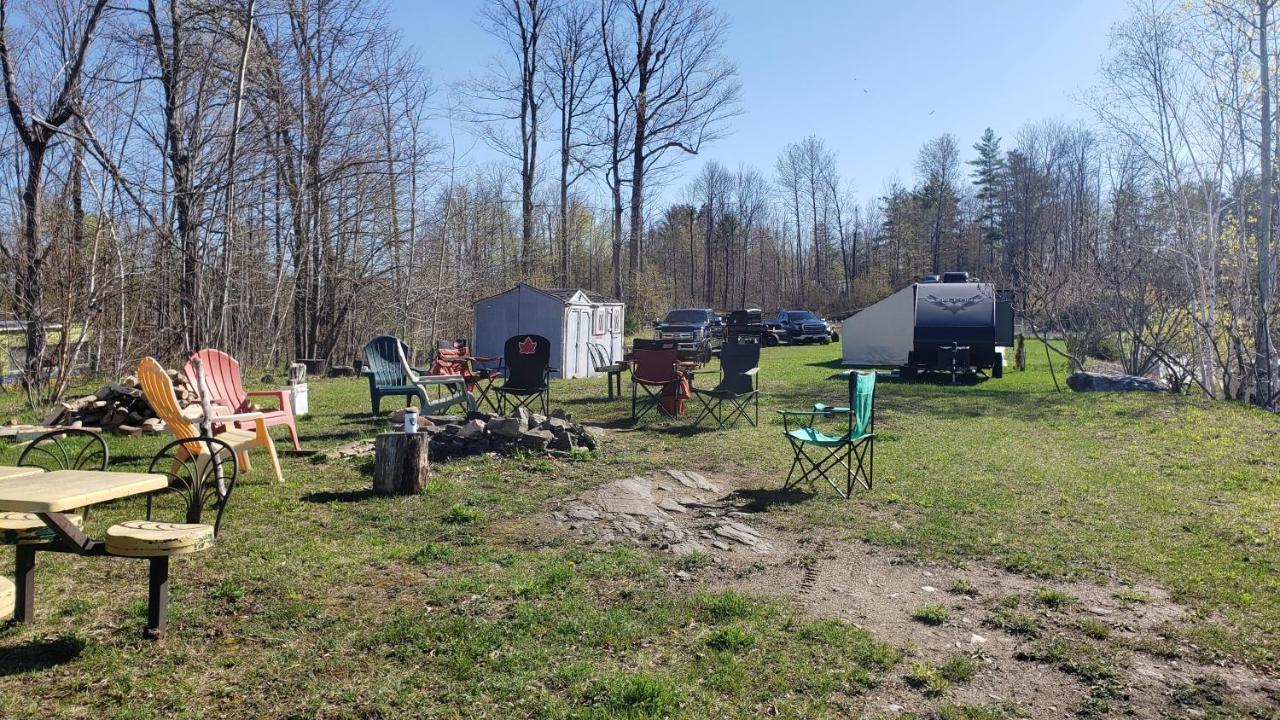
point(1054, 599)
point(927, 679)
point(930, 614)
point(731, 639)
point(462, 515)
point(959, 669)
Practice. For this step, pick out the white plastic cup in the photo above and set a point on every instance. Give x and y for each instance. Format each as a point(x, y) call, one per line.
point(411, 420)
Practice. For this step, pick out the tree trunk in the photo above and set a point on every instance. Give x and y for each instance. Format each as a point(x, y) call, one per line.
point(401, 464)
point(1266, 280)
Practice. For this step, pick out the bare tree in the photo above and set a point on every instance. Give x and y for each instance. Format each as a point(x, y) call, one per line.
point(574, 77)
point(37, 130)
point(683, 92)
point(513, 90)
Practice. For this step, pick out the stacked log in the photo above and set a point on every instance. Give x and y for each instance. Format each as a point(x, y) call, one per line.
point(120, 407)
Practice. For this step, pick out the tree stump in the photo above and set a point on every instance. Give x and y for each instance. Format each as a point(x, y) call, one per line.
point(400, 463)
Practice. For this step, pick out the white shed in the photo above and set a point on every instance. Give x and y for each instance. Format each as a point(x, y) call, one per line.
point(571, 318)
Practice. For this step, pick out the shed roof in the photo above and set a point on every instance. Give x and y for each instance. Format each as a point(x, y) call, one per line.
point(592, 295)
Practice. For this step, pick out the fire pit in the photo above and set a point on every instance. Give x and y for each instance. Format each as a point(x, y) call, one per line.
point(477, 433)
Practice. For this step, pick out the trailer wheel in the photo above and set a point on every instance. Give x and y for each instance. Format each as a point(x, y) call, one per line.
point(997, 370)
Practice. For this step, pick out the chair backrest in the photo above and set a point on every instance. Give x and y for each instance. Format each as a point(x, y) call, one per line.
point(736, 359)
point(383, 355)
point(655, 366)
point(862, 396)
point(66, 449)
point(647, 344)
point(450, 361)
point(200, 482)
point(600, 356)
point(158, 389)
point(527, 358)
point(221, 377)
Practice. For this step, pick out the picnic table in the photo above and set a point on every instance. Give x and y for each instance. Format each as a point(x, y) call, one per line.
point(17, 472)
point(50, 496)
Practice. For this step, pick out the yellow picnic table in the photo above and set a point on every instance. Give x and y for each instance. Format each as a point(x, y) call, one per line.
point(50, 495)
point(14, 472)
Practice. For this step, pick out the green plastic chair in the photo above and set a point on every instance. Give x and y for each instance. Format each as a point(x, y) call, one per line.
point(387, 374)
point(819, 454)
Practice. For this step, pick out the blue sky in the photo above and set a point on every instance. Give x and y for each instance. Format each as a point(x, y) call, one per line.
point(874, 79)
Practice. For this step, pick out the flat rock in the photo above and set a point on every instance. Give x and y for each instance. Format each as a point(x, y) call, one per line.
point(672, 505)
point(728, 531)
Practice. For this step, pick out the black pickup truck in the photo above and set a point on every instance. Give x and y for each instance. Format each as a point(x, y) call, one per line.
point(694, 330)
point(802, 326)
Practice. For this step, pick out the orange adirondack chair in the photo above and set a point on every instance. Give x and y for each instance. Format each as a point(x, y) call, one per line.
point(222, 376)
point(158, 389)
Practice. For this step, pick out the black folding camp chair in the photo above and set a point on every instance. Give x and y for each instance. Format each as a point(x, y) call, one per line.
point(854, 450)
point(527, 364)
point(738, 389)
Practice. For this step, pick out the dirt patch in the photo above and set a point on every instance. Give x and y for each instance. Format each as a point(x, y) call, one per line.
point(1048, 649)
point(675, 511)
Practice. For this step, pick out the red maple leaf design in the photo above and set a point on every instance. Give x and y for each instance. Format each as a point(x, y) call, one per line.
point(528, 346)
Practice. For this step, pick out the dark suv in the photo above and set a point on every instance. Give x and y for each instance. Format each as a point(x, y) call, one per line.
point(692, 329)
point(802, 326)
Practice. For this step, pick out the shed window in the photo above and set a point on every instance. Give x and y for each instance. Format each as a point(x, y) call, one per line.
point(601, 321)
point(615, 320)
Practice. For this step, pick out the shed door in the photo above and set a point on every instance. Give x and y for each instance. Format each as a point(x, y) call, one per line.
point(577, 354)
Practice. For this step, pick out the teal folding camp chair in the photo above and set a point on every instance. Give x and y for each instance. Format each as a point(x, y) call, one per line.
point(819, 455)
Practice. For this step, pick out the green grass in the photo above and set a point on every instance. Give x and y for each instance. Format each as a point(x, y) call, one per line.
point(321, 600)
point(930, 614)
point(927, 678)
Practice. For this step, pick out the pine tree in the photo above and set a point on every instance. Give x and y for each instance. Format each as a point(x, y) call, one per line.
point(988, 170)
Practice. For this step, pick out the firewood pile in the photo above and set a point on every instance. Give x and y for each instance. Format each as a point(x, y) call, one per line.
point(120, 407)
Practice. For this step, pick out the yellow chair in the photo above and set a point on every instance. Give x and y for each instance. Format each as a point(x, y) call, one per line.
point(158, 389)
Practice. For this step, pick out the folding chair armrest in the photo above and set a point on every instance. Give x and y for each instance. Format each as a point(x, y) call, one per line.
point(805, 413)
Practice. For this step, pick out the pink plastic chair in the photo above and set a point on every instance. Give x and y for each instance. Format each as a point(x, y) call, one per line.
point(222, 376)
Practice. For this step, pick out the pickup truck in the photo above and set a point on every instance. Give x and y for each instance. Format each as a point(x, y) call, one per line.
point(697, 330)
point(803, 326)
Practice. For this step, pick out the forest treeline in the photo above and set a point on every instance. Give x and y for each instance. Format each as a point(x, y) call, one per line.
point(271, 177)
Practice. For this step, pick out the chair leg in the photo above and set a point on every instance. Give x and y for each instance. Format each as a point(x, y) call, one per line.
point(24, 610)
point(242, 457)
point(293, 435)
point(265, 439)
point(157, 599)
